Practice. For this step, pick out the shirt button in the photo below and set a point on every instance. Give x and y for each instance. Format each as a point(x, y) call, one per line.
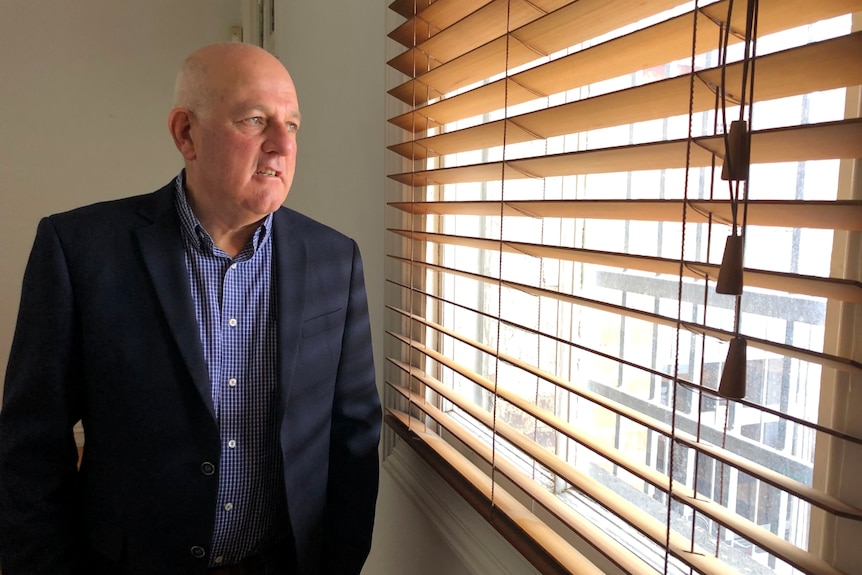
point(198, 552)
point(218, 560)
point(232, 382)
point(228, 506)
point(207, 468)
point(233, 266)
point(231, 443)
point(232, 322)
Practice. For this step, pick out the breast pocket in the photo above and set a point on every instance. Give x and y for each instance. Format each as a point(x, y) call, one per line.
point(321, 323)
point(320, 344)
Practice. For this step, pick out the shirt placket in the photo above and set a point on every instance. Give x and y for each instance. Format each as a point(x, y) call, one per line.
point(229, 402)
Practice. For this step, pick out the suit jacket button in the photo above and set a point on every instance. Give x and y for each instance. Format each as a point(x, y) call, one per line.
point(198, 552)
point(207, 468)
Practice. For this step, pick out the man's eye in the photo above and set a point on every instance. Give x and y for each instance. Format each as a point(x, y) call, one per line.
point(292, 126)
point(255, 121)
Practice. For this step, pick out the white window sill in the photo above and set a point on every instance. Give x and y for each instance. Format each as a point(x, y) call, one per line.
point(478, 545)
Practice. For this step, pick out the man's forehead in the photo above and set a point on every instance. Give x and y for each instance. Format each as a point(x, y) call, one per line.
point(238, 75)
point(268, 102)
point(250, 90)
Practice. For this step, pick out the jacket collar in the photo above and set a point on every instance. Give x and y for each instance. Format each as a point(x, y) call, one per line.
point(161, 246)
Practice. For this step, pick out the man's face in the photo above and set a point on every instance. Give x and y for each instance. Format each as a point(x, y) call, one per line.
point(245, 140)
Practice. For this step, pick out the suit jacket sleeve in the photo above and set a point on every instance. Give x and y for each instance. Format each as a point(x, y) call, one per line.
point(355, 433)
point(41, 404)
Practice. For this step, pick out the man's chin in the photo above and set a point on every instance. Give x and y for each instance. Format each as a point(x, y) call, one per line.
point(271, 203)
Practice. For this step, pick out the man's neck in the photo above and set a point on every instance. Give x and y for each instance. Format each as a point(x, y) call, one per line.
point(227, 234)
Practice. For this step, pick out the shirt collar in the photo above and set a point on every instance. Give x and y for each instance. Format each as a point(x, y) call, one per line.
point(200, 238)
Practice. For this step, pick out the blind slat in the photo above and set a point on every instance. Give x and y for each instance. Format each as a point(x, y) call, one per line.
point(409, 31)
point(838, 214)
point(811, 68)
point(408, 8)
point(823, 141)
point(834, 288)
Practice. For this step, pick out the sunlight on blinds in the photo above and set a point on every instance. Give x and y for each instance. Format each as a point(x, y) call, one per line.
point(558, 349)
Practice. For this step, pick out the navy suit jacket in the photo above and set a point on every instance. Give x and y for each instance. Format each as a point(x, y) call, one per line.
point(107, 335)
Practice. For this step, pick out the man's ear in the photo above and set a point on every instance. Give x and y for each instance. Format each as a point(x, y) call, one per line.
point(180, 125)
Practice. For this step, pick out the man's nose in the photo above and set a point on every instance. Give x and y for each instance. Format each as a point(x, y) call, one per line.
point(280, 139)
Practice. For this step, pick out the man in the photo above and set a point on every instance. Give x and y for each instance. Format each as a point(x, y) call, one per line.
point(216, 348)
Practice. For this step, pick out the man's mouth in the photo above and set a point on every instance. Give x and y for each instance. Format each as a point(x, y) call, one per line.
point(267, 172)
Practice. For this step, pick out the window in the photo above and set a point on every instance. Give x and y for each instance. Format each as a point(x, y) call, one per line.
point(558, 349)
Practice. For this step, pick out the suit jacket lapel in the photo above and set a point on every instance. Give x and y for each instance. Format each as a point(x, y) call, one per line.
point(290, 259)
point(162, 250)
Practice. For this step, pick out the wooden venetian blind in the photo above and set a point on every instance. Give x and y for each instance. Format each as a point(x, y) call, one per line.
point(556, 338)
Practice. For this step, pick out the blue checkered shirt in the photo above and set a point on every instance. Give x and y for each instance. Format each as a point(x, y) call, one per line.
point(236, 319)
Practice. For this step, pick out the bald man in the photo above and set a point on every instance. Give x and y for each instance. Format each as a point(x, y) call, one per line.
point(216, 348)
